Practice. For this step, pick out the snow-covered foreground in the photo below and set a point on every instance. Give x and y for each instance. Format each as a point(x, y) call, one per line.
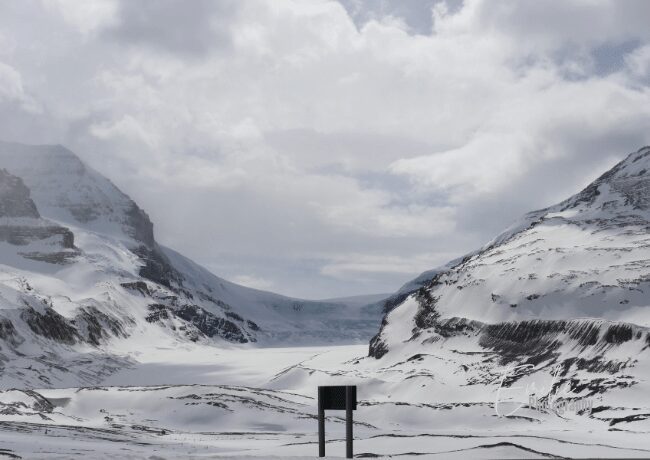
point(203, 402)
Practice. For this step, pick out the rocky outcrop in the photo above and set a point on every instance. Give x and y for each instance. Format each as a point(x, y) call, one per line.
point(22, 225)
point(22, 235)
point(157, 268)
point(8, 333)
point(139, 226)
point(95, 326)
point(14, 402)
point(51, 325)
point(211, 325)
point(201, 323)
point(14, 197)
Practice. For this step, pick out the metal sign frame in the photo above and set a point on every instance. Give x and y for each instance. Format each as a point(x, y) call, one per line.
point(336, 398)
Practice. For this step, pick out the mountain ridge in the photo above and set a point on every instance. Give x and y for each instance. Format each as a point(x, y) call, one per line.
point(563, 292)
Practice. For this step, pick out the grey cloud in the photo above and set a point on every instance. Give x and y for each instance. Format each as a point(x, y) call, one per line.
point(416, 14)
point(185, 29)
point(610, 57)
point(558, 23)
point(587, 154)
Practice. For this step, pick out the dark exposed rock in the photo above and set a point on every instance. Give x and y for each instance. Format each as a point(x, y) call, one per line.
point(138, 286)
point(205, 322)
point(22, 235)
point(426, 315)
point(39, 403)
point(59, 258)
point(591, 387)
point(17, 403)
point(83, 213)
point(210, 324)
point(15, 198)
point(538, 341)
point(456, 326)
point(15, 202)
point(586, 333)
point(395, 300)
point(50, 325)
point(422, 282)
point(8, 332)
point(140, 226)
point(596, 365)
point(516, 340)
point(157, 313)
point(618, 333)
point(95, 326)
point(629, 418)
point(527, 342)
point(252, 325)
point(157, 267)
point(234, 316)
point(378, 347)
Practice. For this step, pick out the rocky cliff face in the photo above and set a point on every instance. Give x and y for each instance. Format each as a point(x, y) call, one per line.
point(21, 225)
point(14, 197)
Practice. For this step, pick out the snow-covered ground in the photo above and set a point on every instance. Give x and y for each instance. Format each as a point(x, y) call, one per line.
point(204, 402)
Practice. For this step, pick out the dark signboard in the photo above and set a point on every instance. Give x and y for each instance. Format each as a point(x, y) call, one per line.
point(333, 397)
point(336, 398)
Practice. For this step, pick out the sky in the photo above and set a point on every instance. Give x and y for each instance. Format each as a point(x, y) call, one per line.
point(322, 149)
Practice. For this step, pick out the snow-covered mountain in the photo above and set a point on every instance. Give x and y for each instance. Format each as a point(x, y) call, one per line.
point(80, 270)
point(439, 381)
point(566, 289)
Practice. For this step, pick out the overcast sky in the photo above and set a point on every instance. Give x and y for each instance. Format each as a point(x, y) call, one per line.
point(323, 148)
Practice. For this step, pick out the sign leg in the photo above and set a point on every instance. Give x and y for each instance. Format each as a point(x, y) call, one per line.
point(321, 424)
point(348, 422)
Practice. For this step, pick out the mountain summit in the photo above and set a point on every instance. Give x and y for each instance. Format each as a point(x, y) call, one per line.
point(587, 256)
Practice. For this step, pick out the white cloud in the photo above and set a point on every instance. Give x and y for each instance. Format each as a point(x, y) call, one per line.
point(12, 90)
point(253, 282)
point(638, 62)
point(362, 265)
point(285, 133)
point(86, 16)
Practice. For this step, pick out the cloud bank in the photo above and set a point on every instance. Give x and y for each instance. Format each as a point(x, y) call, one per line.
point(319, 148)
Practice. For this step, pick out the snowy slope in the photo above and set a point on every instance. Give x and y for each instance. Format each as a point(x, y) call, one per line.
point(566, 291)
point(585, 257)
point(260, 403)
point(81, 271)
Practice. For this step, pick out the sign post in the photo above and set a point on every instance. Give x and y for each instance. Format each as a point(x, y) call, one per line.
point(336, 398)
point(321, 423)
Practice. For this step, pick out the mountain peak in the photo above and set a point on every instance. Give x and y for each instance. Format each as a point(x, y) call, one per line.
point(66, 190)
point(626, 185)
